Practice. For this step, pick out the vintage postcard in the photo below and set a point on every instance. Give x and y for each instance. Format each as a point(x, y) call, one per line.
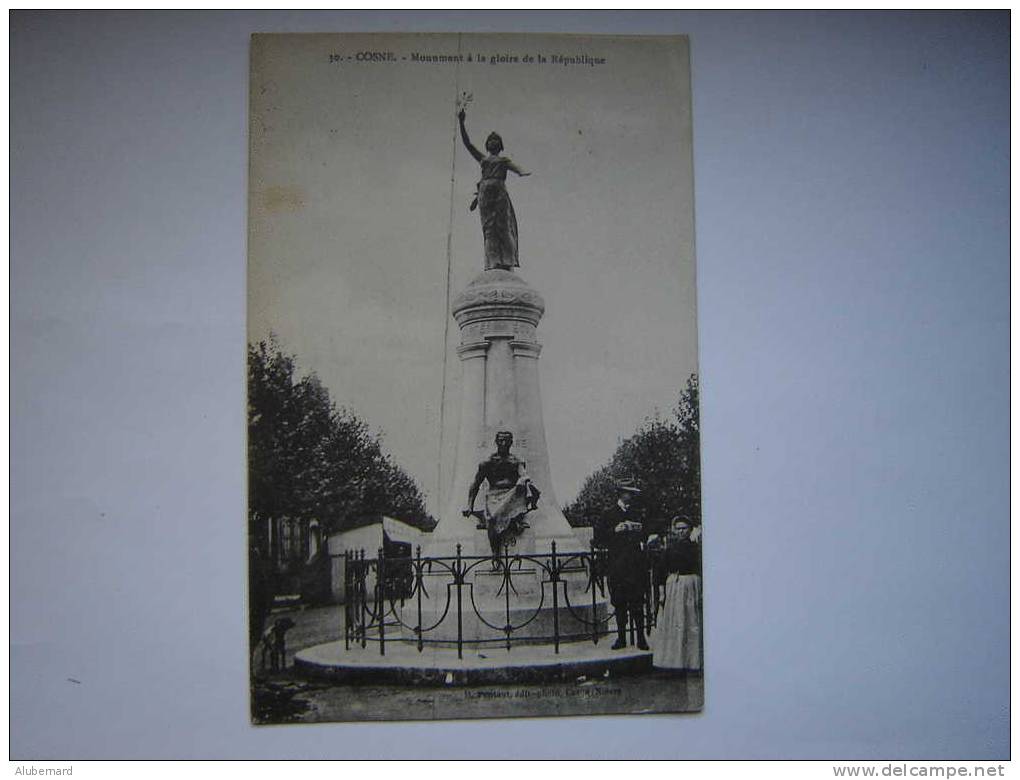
point(473, 437)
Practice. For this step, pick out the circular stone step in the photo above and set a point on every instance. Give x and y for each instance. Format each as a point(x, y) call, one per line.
point(404, 665)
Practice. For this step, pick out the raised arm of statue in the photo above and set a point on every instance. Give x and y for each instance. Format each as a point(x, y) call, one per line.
point(467, 141)
point(499, 222)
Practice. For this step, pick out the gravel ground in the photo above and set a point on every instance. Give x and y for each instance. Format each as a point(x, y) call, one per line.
point(285, 698)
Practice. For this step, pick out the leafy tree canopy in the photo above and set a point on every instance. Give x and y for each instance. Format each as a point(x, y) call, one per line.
point(662, 457)
point(309, 459)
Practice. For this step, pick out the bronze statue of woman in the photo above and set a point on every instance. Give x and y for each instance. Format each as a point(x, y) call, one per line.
point(499, 223)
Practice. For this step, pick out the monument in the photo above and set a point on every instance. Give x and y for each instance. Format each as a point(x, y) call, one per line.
point(365, 257)
point(503, 568)
point(518, 514)
point(498, 315)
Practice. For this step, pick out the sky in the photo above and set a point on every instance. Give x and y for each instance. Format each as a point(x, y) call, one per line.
point(352, 234)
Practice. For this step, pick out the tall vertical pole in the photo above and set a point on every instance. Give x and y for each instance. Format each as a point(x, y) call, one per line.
point(506, 594)
point(458, 580)
point(418, 585)
point(362, 576)
point(594, 600)
point(449, 267)
point(554, 575)
point(380, 589)
point(347, 600)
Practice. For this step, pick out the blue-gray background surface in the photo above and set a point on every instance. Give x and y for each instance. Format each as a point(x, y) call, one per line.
point(851, 175)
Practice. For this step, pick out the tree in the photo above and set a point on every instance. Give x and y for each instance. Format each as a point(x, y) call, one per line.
point(662, 457)
point(308, 459)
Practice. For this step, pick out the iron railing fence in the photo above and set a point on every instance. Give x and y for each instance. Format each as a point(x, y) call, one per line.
point(385, 595)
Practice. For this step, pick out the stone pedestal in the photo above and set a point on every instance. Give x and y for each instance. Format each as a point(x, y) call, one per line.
point(498, 315)
point(490, 601)
point(467, 619)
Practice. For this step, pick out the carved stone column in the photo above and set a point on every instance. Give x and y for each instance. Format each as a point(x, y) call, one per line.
point(498, 314)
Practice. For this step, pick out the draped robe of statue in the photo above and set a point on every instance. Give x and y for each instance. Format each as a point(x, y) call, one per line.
point(508, 499)
point(499, 222)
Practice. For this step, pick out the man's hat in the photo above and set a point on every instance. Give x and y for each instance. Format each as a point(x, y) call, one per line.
point(626, 485)
point(691, 521)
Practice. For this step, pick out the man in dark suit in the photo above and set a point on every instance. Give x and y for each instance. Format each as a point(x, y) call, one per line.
point(621, 532)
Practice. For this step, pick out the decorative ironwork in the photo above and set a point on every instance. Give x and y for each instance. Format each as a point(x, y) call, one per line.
point(378, 591)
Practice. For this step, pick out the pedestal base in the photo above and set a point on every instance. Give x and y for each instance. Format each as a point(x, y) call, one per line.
point(499, 610)
point(498, 315)
point(404, 665)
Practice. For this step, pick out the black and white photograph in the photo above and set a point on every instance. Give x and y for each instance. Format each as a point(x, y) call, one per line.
point(473, 420)
point(510, 385)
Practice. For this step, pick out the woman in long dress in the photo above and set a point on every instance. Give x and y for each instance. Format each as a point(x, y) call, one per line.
point(678, 642)
point(499, 223)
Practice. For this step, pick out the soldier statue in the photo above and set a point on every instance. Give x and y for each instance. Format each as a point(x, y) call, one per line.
point(510, 496)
